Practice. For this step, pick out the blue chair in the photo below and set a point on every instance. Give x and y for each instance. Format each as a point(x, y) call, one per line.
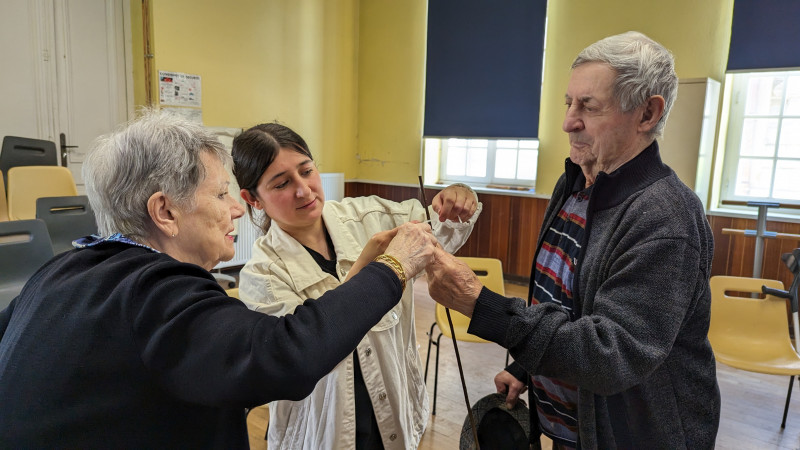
point(24, 248)
point(67, 218)
point(21, 151)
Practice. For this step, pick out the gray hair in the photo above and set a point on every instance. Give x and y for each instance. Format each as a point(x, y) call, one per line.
point(159, 151)
point(644, 68)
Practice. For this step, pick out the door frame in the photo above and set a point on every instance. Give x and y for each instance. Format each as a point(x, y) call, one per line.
point(50, 40)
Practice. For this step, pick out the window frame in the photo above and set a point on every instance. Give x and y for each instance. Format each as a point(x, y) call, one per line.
point(734, 132)
point(439, 174)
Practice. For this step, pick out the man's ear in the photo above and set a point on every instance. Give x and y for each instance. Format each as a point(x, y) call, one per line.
point(251, 199)
point(653, 110)
point(159, 207)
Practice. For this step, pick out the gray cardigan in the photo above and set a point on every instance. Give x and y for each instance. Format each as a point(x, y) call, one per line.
point(639, 352)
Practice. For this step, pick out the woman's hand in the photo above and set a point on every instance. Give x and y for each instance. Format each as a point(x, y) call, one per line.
point(457, 203)
point(413, 246)
point(375, 246)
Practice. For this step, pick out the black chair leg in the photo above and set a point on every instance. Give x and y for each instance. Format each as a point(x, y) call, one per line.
point(428, 358)
point(788, 397)
point(436, 375)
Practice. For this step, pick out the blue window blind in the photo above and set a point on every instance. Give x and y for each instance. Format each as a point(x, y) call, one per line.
point(765, 35)
point(484, 68)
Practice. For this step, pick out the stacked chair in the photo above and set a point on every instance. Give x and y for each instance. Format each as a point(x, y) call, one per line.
point(24, 247)
point(67, 218)
point(20, 151)
point(27, 183)
point(750, 331)
point(3, 201)
point(41, 212)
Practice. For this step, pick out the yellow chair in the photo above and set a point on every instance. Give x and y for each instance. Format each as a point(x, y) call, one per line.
point(3, 202)
point(751, 333)
point(28, 183)
point(490, 272)
point(233, 292)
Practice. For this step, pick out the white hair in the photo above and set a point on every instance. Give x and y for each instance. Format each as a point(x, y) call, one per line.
point(157, 152)
point(644, 68)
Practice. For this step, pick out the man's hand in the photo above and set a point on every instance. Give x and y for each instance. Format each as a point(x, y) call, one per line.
point(452, 283)
point(509, 384)
point(456, 203)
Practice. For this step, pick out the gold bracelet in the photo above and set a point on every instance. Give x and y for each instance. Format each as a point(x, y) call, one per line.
point(395, 265)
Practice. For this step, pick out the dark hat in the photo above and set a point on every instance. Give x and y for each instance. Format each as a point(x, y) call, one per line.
point(498, 426)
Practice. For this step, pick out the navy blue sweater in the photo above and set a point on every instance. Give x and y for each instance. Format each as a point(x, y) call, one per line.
point(118, 346)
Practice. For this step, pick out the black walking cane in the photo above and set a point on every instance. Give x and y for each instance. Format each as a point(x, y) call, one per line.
point(453, 335)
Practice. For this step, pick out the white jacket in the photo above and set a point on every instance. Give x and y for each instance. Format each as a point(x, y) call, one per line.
point(282, 275)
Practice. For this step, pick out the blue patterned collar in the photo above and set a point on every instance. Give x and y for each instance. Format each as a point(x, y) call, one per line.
point(92, 240)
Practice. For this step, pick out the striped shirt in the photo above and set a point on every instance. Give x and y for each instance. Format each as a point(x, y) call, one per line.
point(556, 401)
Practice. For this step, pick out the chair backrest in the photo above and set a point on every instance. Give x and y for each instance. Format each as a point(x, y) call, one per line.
point(490, 272)
point(24, 247)
point(67, 219)
point(747, 328)
point(3, 201)
point(21, 151)
point(233, 292)
point(27, 183)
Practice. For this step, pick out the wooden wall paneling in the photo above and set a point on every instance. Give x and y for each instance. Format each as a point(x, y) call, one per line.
point(719, 264)
point(527, 215)
point(741, 250)
point(787, 245)
point(394, 193)
point(484, 241)
point(744, 249)
point(773, 264)
point(495, 242)
point(509, 225)
point(733, 255)
point(490, 238)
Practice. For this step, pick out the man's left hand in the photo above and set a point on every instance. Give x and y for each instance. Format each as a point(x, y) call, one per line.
point(452, 283)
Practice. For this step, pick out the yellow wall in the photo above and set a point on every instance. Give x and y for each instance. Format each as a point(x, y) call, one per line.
point(259, 61)
point(697, 33)
point(392, 57)
point(137, 54)
point(391, 89)
point(349, 75)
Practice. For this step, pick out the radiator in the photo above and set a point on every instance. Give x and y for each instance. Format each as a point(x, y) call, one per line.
point(333, 186)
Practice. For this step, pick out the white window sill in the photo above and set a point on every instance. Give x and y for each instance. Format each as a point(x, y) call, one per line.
point(773, 214)
point(479, 189)
point(512, 191)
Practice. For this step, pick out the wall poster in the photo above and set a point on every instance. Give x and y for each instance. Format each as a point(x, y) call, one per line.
point(179, 89)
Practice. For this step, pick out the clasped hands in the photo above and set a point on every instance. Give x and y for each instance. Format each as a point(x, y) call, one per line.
point(450, 282)
point(413, 244)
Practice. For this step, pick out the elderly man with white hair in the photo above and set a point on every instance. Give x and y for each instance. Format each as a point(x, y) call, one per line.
point(612, 343)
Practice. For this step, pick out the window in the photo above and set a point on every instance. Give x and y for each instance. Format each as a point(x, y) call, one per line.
point(483, 69)
point(762, 153)
point(482, 162)
point(483, 78)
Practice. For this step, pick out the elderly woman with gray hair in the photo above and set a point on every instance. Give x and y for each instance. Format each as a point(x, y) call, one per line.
point(129, 341)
